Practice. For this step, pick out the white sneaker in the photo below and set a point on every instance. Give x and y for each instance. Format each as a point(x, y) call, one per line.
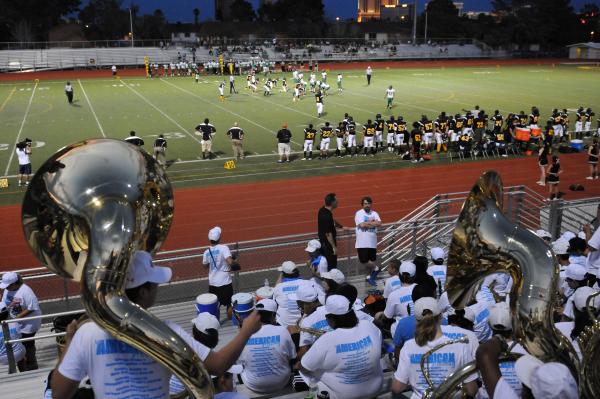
point(304, 159)
point(596, 178)
point(589, 178)
point(542, 184)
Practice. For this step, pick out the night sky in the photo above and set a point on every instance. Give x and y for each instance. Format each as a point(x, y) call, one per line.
point(181, 10)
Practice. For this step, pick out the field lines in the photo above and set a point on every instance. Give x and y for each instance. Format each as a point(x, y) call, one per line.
point(91, 108)
point(183, 129)
point(222, 108)
point(12, 153)
point(7, 99)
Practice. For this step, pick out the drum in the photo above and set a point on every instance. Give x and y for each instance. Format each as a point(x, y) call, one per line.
point(208, 303)
point(523, 134)
point(243, 305)
point(577, 145)
point(536, 132)
point(264, 293)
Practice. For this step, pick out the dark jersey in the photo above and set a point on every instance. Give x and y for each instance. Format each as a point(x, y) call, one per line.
point(557, 118)
point(206, 129)
point(135, 140)
point(497, 120)
point(534, 119)
point(310, 134)
point(442, 124)
point(580, 116)
point(160, 142)
point(319, 98)
point(340, 132)
point(369, 130)
point(499, 137)
point(417, 136)
point(391, 126)
point(459, 123)
point(326, 132)
point(235, 133)
point(480, 123)
point(469, 121)
point(351, 128)
point(401, 127)
point(379, 123)
point(284, 136)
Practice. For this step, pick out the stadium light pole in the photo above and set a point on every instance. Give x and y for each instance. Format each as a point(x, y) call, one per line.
point(425, 39)
point(414, 30)
point(131, 26)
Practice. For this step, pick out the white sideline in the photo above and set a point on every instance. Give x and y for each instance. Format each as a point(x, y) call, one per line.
point(12, 153)
point(91, 108)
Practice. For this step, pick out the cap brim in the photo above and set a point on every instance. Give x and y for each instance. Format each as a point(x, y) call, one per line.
point(236, 369)
point(3, 286)
point(161, 275)
point(524, 368)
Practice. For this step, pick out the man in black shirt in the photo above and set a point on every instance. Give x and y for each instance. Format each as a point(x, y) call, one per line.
point(160, 148)
point(135, 140)
point(207, 131)
point(236, 134)
point(327, 230)
point(284, 136)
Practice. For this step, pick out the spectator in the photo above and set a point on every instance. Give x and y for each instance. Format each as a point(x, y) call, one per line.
point(284, 136)
point(327, 230)
point(367, 221)
point(217, 258)
point(23, 154)
point(22, 302)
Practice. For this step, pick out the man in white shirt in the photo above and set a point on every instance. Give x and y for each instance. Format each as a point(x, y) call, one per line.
point(23, 155)
point(438, 269)
point(367, 221)
point(15, 333)
point(22, 302)
point(345, 362)
point(120, 371)
point(217, 258)
point(268, 353)
point(288, 311)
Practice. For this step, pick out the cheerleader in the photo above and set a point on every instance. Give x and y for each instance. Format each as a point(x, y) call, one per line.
point(553, 171)
point(593, 160)
point(543, 163)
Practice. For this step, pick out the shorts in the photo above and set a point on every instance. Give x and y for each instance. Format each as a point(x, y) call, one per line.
point(366, 255)
point(283, 148)
point(368, 142)
point(223, 293)
point(324, 145)
point(308, 145)
point(25, 169)
point(206, 145)
point(351, 140)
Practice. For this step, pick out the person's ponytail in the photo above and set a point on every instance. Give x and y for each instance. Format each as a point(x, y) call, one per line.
point(426, 329)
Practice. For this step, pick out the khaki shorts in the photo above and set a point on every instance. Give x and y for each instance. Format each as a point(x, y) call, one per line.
point(283, 148)
point(206, 145)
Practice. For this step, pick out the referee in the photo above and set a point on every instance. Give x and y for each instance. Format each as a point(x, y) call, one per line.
point(207, 131)
point(232, 85)
point(236, 134)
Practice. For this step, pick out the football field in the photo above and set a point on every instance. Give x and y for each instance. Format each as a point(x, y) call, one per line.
point(174, 106)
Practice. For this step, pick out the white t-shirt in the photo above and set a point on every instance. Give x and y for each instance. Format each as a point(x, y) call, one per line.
point(366, 238)
point(504, 390)
point(288, 311)
point(23, 156)
point(481, 327)
point(266, 359)
point(455, 332)
point(19, 300)
point(346, 362)
point(509, 376)
point(566, 328)
point(438, 272)
point(502, 283)
point(219, 269)
point(593, 259)
point(391, 284)
point(317, 321)
point(441, 363)
point(17, 347)
point(319, 264)
point(116, 369)
point(398, 302)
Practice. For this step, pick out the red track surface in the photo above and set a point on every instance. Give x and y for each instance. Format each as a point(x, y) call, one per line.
point(266, 209)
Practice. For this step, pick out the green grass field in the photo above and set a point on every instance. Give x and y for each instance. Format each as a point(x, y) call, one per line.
point(174, 106)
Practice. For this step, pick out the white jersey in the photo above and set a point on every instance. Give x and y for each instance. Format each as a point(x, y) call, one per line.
point(317, 321)
point(347, 362)
point(441, 363)
point(390, 93)
point(400, 303)
point(117, 369)
point(288, 311)
point(20, 300)
point(266, 359)
point(23, 156)
point(391, 284)
point(216, 258)
point(366, 237)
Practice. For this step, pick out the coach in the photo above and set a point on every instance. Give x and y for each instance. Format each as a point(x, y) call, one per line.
point(236, 134)
point(284, 136)
point(207, 131)
point(327, 230)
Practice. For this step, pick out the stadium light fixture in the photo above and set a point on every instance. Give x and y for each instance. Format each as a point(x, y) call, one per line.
point(337, 18)
point(404, 5)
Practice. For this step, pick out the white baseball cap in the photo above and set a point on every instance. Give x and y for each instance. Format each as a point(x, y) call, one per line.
point(305, 293)
point(546, 380)
point(142, 270)
point(426, 304)
point(499, 317)
point(205, 321)
point(567, 235)
point(313, 245)
point(543, 234)
point(408, 267)
point(8, 278)
point(575, 272)
point(358, 304)
point(594, 240)
point(214, 234)
point(287, 267)
point(337, 305)
point(335, 275)
point(560, 246)
point(437, 253)
point(267, 304)
point(581, 296)
point(581, 235)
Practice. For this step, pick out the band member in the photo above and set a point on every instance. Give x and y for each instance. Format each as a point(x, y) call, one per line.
point(326, 133)
point(309, 138)
point(593, 160)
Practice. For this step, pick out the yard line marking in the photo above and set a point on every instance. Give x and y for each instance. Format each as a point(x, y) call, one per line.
point(12, 153)
point(91, 108)
point(396, 102)
point(224, 109)
point(162, 112)
point(7, 98)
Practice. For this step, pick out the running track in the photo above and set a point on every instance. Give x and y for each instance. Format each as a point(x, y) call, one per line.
point(289, 206)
